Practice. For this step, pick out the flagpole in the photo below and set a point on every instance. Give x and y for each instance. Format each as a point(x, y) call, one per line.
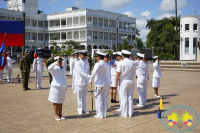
point(36, 74)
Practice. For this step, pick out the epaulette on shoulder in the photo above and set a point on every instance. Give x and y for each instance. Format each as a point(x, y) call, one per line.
point(77, 59)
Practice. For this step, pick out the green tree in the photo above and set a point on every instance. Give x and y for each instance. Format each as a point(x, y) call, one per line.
point(150, 23)
point(139, 44)
point(125, 45)
point(72, 44)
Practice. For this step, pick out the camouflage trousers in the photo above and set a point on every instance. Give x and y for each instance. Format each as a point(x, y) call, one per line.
point(25, 79)
point(50, 78)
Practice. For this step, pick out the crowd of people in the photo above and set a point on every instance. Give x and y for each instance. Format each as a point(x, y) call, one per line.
point(106, 74)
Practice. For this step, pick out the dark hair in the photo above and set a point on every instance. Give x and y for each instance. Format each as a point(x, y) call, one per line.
point(154, 60)
point(100, 56)
point(114, 56)
point(125, 55)
point(140, 57)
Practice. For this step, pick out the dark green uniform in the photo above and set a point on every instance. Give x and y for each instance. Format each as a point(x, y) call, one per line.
point(94, 60)
point(90, 63)
point(49, 62)
point(25, 66)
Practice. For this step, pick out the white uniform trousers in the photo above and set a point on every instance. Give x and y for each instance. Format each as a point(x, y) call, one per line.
point(9, 74)
point(101, 100)
point(73, 85)
point(1, 74)
point(81, 98)
point(118, 88)
point(126, 89)
point(39, 78)
point(142, 83)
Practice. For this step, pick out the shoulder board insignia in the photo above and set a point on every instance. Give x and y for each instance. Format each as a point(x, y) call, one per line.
point(77, 59)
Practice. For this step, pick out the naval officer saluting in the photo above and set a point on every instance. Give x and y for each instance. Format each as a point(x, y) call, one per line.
point(82, 75)
point(156, 75)
point(126, 72)
point(102, 76)
point(142, 79)
point(58, 87)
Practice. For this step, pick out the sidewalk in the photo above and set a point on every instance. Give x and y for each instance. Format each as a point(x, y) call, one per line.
point(30, 111)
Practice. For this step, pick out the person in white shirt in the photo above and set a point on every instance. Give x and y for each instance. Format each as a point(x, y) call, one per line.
point(64, 61)
point(38, 69)
point(156, 75)
point(58, 87)
point(119, 60)
point(102, 77)
point(142, 79)
point(113, 88)
point(126, 72)
point(73, 71)
point(82, 75)
point(9, 67)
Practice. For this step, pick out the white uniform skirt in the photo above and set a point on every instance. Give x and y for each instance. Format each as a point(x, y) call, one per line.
point(113, 77)
point(57, 94)
point(155, 82)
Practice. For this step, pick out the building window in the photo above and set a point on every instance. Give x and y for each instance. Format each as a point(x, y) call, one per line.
point(194, 26)
point(187, 27)
point(194, 45)
point(186, 45)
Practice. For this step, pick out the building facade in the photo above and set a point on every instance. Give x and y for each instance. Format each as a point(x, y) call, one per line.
point(92, 28)
point(190, 37)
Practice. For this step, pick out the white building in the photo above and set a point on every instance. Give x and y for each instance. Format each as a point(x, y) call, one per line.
point(87, 26)
point(190, 37)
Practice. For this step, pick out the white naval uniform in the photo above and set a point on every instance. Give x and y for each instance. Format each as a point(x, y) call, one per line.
point(156, 75)
point(113, 72)
point(127, 70)
point(142, 81)
point(39, 71)
point(64, 63)
point(9, 67)
point(101, 74)
point(82, 75)
point(118, 88)
point(58, 85)
point(72, 63)
point(1, 74)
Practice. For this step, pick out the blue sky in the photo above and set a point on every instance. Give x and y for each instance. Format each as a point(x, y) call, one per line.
point(141, 9)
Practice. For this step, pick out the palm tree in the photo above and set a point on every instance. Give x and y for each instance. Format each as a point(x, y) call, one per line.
point(150, 23)
point(138, 32)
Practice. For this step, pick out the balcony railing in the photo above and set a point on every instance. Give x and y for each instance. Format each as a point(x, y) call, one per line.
point(75, 25)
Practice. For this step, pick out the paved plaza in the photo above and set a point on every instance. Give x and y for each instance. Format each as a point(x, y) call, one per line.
point(30, 111)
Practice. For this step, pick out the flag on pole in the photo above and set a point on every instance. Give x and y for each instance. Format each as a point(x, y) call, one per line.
point(3, 59)
point(161, 103)
point(35, 53)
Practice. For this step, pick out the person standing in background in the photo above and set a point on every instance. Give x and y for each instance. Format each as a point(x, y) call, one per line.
point(9, 67)
point(156, 75)
point(39, 71)
point(90, 62)
point(48, 63)
point(25, 67)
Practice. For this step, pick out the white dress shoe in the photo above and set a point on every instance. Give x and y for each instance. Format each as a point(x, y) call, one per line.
point(95, 116)
point(80, 113)
point(139, 105)
point(86, 112)
point(130, 115)
point(57, 119)
point(8, 81)
point(63, 118)
point(118, 109)
point(157, 96)
point(74, 91)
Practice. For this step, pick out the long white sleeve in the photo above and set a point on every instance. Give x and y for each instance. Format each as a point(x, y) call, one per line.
point(94, 72)
point(51, 67)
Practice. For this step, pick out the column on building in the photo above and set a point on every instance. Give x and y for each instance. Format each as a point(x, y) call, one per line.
point(72, 21)
point(92, 23)
point(60, 22)
point(103, 36)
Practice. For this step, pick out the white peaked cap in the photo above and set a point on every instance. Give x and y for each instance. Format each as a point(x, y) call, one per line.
point(56, 58)
point(119, 53)
point(155, 57)
point(83, 51)
point(114, 53)
point(126, 52)
point(139, 54)
point(103, 54)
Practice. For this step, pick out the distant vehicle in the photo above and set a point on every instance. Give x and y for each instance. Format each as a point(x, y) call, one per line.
point(46, 54)
point(147, 52)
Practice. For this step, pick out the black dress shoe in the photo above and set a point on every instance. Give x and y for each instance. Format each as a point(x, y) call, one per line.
point(112, 101)
point(115, 101)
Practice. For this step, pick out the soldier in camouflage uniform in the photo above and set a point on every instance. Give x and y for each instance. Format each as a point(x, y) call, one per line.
point(48, 63)
point(25, 66)
point(90, 62)
point(94, 60)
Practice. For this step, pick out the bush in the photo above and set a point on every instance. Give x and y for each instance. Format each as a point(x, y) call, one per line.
point(166, 56)
point(110, 52)
point(67, 52)
point(55, 51)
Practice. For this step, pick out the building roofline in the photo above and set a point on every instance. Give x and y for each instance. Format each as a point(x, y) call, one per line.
point(190, 16)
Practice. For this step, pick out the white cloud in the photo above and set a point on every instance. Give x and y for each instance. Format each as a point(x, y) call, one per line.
point(146, 14)
point(167, 15)
point(141, 22)
point(169, 5)
point(53, 1)
point(130, 14)
point(113, 4)
point(78, 3)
